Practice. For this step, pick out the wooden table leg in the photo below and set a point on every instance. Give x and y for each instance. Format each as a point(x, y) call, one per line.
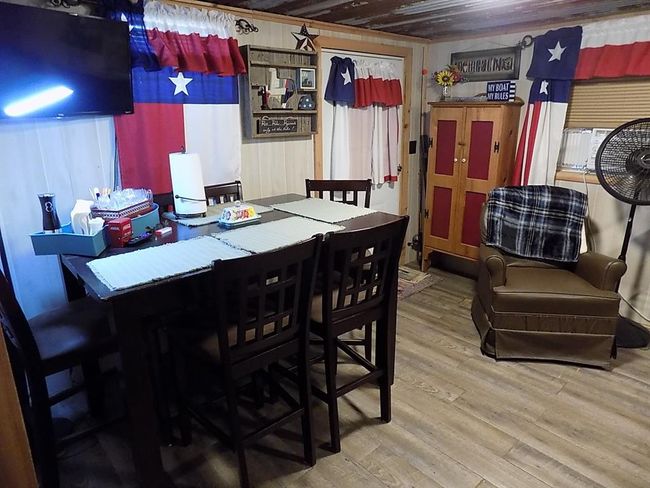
point(391, 324)
point(145, 439)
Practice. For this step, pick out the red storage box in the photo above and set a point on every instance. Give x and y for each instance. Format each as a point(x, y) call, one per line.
point(120, 231)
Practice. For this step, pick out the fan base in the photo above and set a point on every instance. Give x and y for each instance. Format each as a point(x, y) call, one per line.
point(631, 335)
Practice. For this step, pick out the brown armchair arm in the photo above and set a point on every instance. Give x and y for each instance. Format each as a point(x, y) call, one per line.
point(495, 264)
point(601, 271)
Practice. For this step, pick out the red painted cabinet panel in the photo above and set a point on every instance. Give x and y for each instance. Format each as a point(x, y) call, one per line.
point(472, 151)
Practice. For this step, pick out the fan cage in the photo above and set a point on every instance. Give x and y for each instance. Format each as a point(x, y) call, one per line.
point(623, 162)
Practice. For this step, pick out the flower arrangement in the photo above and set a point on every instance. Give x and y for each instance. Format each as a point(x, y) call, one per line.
point(448, 76)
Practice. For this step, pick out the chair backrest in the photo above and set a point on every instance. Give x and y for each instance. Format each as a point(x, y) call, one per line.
point(224, 193)
point(348, 189)
point(29, 376)
point(165, 202)
point(360, 269)
point(264, 300)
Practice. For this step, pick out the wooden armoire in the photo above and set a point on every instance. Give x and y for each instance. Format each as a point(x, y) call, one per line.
point(472, 151)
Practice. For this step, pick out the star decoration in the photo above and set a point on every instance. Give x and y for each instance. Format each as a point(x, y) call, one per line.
point(346, 77)
point(180, 83)
point(544, 87)
point(305, 39)
point(556, 52)
point(124, 19)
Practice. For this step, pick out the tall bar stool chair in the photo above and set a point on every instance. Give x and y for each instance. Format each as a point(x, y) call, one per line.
point(349, 192)
point(77, 334)
point(256, 314)
point(224, 193)
point(358, 287)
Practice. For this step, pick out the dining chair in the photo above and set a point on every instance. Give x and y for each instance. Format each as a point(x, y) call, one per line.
point(76, 334)
point(224, 193)
point(358, 287)
point(349, 190)
point(256, 314)
point(165, 202)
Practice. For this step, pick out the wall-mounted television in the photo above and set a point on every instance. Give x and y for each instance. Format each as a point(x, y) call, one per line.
point(56, 64)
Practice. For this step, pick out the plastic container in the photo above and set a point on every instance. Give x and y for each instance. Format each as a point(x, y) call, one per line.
point(67, 242)
point(150, 219)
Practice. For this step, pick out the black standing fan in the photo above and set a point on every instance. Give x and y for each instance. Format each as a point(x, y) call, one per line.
point(623, 169)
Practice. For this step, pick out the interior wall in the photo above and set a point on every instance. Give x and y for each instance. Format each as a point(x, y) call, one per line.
point(272, 167)
point(608, 215)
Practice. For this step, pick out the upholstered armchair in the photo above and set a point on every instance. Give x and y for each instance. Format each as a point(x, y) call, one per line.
point(535, 309)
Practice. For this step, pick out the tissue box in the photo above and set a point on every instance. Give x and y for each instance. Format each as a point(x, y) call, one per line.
point(67, 242)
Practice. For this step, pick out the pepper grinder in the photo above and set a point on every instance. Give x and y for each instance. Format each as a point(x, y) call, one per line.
point(51, 223)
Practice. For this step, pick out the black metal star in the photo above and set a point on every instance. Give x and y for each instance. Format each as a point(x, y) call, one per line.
point(305, 39)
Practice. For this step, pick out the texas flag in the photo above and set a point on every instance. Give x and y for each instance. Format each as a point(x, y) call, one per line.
point(175, 111)
point(553, 66)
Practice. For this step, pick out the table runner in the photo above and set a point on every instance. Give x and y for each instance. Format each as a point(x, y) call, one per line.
point(272, 235)
point(213, 214)
point(156, 263)
point(323, 210)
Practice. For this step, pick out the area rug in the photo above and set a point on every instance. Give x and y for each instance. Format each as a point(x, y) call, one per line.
point(411, 281)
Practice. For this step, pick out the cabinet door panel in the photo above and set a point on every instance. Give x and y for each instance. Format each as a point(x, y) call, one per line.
point(442, 202)
point(442, 179)
point(445, 147)
point(471, 234)
point(478, 161)
point(477, 175)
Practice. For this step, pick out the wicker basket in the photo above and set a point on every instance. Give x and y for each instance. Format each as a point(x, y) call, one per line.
point(132, 211)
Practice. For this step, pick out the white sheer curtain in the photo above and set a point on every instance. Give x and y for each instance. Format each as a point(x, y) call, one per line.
point(64, 157)
point(188, 20)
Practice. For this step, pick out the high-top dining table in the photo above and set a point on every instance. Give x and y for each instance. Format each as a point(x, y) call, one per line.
point(134, 309)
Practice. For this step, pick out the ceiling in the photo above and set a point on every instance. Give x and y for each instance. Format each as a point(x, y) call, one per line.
point(440, 19)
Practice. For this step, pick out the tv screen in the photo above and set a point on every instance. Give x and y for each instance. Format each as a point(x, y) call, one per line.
point(55, 64)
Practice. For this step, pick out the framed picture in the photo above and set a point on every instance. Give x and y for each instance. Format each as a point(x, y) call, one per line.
point(307, 78)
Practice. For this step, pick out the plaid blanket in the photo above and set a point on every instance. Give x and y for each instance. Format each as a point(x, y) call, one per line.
point(538, 222)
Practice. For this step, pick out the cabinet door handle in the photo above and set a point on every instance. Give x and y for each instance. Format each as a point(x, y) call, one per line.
point(463, 160)
point(455, 160)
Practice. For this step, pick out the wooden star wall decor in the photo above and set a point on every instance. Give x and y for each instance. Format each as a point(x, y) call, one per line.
point(305, 39)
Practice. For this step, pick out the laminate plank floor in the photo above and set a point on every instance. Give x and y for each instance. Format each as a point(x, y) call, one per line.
point(460, 420)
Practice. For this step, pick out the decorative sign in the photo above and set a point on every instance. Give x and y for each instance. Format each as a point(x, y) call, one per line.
point(277, 125)
point(489, 64)
point(501, 91)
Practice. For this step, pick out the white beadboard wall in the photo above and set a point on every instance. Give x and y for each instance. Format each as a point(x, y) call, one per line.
point(276, 166)
point(608, 216)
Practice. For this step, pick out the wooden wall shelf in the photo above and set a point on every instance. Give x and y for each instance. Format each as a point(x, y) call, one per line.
point(259, 61)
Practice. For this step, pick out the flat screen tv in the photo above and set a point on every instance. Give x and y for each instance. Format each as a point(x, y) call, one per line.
point(56, 64)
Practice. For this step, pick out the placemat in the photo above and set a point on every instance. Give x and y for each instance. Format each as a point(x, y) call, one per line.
point(213, 214)
point(275, 234)
point(156, 263)
point(323, 210)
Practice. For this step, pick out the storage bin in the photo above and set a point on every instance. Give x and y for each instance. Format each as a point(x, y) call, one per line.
point(140, 224)
point(67, 242)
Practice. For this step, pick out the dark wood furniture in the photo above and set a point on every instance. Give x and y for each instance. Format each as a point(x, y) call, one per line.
point(224, 193)
point(360, 268)
point(77, 334)
point(349, 190)
point(472, 151)
point(132, 312)
point(256, 313)
point(214, 195)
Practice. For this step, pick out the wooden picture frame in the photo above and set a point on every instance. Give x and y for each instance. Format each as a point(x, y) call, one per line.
point(307, 78)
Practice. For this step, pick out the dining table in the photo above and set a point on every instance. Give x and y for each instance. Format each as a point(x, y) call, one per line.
point(134, 309)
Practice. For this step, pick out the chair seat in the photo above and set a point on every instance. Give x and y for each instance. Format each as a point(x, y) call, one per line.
point(207, 342)
point(317, 304)
point(66, 334)
point(552, 291)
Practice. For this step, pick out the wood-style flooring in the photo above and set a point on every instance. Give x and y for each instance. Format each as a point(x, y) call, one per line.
point(460, 420)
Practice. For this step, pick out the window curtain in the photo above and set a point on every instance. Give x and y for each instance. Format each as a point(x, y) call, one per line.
point(64, 157)
point(191, 103)
point(365, 140)
point(615, 48)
